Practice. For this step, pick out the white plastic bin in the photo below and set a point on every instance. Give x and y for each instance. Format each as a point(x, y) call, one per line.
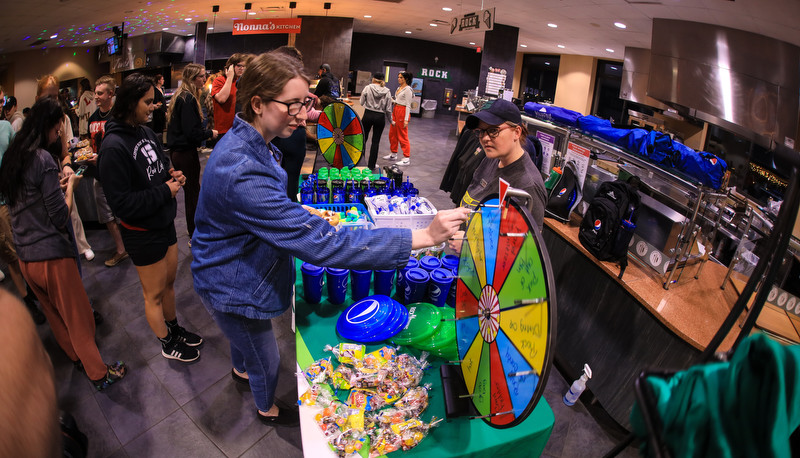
point(428, 108)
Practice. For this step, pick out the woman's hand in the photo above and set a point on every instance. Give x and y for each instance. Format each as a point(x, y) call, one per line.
point(456, 241)
point(174, 186)
point(69, 182)
point(67, 171)
point(178, 176)
point(443, 226)
point(214, 133)
point(230, 72)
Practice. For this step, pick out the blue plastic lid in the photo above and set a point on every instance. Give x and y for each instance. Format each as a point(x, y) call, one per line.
point(450, 261)
point(430, 262)
point(311, 268)
point(335, 271)
point(442, 275)
point(416, 275)
point(359, 271)
point(372, 319)
point(385, 270)
point(412, 263)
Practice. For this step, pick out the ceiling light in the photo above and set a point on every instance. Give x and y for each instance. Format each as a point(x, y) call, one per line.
point(609, 50)
point(613, 68)
point(620, 25)
point(85, 41)
point(432, 25)
point(165, 28)
point(53, 36)
point(368, 16)
point(447, 9)
point(472, 42)
point(547, 63)
point(551, 25)
point(188, 19)
point(408, 32)
point(561, 46)
point(252, 13)
point(211, 28)
point(523, 46)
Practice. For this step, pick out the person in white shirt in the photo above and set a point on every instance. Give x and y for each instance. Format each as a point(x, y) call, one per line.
point(398, 132)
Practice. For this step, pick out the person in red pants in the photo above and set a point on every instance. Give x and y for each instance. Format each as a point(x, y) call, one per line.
point(398, 132)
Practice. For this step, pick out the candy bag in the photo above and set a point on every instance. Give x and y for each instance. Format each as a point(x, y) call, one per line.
point(390, 391)
point(332, 418)
point(413, 431)
point(378, 358)
point(319, 371)
point(347, 353)
point(360, 399)
point(317, 394)
point(383, 441)
point(349, 442)
point(342, 378)
point(415, 401)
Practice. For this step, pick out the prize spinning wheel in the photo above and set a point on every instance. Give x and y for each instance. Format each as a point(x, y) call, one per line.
point(340, 135)
point(505, 312)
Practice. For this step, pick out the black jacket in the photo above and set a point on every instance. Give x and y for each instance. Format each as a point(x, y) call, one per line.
point(185, 129)
point(326, 82)
point(135, 171)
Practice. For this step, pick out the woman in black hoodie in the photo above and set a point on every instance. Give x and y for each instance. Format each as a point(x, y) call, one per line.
point(185, 133)
point(140, 185)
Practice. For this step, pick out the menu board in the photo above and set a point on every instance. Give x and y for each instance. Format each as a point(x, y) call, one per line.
point(580, 155)
point(548, 142)
point(495, 81)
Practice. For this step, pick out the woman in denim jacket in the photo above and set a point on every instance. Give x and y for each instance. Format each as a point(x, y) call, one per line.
point(248, 232)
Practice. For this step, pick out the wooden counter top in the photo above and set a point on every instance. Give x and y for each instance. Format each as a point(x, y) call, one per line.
point(692, 309)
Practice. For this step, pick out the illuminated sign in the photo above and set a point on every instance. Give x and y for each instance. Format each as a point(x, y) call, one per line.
point(257, 26)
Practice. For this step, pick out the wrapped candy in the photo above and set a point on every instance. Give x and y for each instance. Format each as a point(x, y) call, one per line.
point(412, 432)
point(360, 399)
point(319, 371)
point(389, 416)
point(408, 370)
point(367, 378)
point(349, 442)
point(415, 401)
point(355, 419)
point(390, 391)
point(347, 353)
point(383, 441)
point(342, 378)
point(317, 394)
point(332, 418)
point(379, 358)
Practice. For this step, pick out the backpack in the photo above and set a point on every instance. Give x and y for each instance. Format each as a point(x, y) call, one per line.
point(335, 90)
point(609, 222)
point(565, 195)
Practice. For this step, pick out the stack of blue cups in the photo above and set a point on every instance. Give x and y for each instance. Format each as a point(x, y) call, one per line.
point(384, 279)
point(337, 285)
point(450, 262)
point(359, 284)
point(415, 281)
point(400, 285)
point(439, 286)
point(312, 283)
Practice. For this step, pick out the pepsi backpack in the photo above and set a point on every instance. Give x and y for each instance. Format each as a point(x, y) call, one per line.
point(609, 222)
point(565, 195)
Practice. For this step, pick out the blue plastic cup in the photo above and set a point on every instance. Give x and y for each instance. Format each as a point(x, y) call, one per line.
point(399, 284)
point(439, 286)
point(450, 261)
point(312, 283)
point(384, 280)
point(416, 285)
point(337, 285)
point(359, 284)
point(430, 263)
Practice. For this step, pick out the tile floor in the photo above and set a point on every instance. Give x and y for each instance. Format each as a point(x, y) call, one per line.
point(164, 408)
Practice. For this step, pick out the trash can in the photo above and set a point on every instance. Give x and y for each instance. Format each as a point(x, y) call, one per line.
point(428, 108)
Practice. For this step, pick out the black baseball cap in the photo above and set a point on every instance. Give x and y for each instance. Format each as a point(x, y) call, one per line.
point(378, 76)
point(500, 112)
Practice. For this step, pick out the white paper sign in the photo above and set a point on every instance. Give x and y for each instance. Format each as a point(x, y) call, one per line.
point(580, 155)
point(548, 142)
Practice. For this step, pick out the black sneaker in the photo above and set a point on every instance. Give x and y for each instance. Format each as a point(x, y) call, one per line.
point(114, 373)
point(189, 338)
point(179, 351)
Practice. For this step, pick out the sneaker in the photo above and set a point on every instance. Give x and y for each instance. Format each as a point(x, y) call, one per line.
point(189, 338)
point(390, 157)
point(2, 276)
point(116, 259)
point(404, 162)
point(115, 372)
point(88, 254)
point(180, 351)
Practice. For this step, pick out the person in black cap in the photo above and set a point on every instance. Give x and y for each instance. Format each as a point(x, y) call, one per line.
point(376, 99)
point(328, 86)
point(501, 133)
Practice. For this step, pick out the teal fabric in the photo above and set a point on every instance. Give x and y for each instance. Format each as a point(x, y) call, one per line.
point(748, 406)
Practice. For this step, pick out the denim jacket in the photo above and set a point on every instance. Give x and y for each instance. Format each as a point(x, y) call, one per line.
point(247, 232)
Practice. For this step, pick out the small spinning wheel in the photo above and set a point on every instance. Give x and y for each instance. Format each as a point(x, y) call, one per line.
point(340, 135)
point(505, 313)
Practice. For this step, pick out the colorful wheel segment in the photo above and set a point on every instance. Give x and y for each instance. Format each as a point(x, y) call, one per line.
point(340, 135)
point(505, 313)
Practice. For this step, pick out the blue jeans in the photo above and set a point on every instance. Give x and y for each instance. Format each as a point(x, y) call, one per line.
point(253, 350)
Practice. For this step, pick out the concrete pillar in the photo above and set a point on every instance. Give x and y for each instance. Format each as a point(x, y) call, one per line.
point(499, 51)
point(200, 32)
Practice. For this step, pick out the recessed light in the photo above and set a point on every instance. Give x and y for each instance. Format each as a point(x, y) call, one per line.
point(552, 26)
point(609, 50)
point(211, 28)
point(472, 43)
point(188, 19)
point(367, 16)
point(252, 13)
point(433, 25)
point(547, 63)
point(165, 28)
point(408, 32)
point(523, 46)
point(620, 25)
point(447, 9)
point(53, 36)
point(85, 41)
point(561, 46)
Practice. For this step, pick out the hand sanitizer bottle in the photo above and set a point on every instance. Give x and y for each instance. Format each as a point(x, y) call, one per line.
point(578, 386)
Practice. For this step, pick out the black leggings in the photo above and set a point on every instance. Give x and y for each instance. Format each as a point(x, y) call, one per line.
point(378, 120)
point(188, 162)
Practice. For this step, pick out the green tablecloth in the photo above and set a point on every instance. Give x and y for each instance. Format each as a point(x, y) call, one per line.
point(460, 437)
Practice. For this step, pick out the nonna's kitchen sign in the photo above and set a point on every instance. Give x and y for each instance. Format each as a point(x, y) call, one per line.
point(257, 26)
point(436, 73)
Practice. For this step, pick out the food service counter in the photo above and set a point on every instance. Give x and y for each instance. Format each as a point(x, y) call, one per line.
point(621, 327)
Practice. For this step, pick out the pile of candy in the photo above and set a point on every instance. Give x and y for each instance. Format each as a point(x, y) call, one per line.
point(398, 205)
point(383, 406)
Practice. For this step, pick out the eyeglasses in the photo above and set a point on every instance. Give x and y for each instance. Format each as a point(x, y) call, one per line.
point(294, 108)
point(241, 65)
point(492, 132)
